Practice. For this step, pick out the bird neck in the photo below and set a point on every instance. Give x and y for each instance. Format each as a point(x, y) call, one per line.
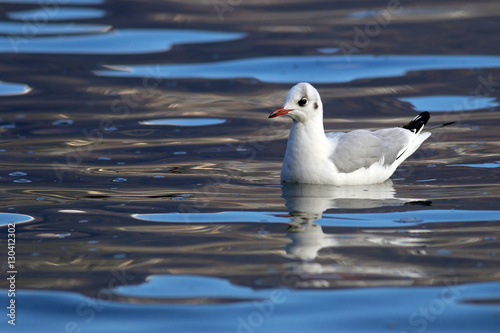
point(306, 136)
point(311, 129)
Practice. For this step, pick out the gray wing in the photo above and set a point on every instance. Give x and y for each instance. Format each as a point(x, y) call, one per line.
point(362, 148)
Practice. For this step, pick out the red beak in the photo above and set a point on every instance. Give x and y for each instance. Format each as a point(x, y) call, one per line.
point(281, 111)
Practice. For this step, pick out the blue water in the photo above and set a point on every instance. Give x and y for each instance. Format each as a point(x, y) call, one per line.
point(124, 41)
point(451, 103)
point(350, 219)
point(184, 122)
point(139, 170)
point(9, 88)
point(59, 14)
point(314, 69)
point(353, 310)
point(7, 218)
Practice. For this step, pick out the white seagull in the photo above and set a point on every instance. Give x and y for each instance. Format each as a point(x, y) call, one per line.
point(359, 157)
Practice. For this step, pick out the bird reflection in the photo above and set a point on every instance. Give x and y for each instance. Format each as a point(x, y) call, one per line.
point(318, 198)
point(306, 204)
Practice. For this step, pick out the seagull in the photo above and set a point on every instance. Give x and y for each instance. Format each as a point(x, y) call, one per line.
point(360, 157)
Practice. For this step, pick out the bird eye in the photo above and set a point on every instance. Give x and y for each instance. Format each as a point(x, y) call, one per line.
point(303, 102)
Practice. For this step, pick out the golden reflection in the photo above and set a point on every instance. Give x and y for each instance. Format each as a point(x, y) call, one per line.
point(254, 17)
point(79, 143)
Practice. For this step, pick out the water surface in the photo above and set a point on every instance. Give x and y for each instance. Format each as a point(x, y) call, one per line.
point(142, 173)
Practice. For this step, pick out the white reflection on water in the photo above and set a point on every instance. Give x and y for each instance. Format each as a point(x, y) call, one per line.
point(314, 69)
point(306, 204)
point(323, 256)
point(315, 199)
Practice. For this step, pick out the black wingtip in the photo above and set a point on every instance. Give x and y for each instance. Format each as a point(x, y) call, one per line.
point(418, 122)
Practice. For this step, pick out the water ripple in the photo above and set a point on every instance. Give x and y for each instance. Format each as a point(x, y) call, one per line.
point(125, 41)
point(9, 89)
point(479, 165)
point(184, 121)
point(186, 286)
point(38, 2)
point(60, 14)
point(315, 69)
point(6, 218)
point(30, 30)
point(362, 219)
point(450, 103)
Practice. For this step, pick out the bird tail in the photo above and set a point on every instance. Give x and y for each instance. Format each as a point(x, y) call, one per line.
point(417, 123)
point(416, 126)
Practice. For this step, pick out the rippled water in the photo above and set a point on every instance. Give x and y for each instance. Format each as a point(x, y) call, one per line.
point(142, 173)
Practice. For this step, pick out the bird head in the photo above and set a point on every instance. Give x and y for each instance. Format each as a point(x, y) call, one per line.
point(301, 103)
